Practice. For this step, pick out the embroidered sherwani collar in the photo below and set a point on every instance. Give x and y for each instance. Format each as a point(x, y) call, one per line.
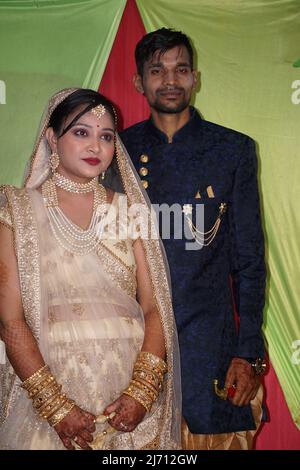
point(180, 135)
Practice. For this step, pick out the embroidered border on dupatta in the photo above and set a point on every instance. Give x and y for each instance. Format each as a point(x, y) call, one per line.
point(117, 270)
point(27, 251)
point(5, 215)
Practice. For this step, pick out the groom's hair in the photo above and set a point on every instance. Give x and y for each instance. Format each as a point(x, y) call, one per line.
point(160, 40)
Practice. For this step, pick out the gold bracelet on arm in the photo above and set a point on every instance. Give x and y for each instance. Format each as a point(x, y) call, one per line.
point(46, 396)
point(147, 379)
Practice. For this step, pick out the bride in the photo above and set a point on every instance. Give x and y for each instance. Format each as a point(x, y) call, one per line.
point(90, 356)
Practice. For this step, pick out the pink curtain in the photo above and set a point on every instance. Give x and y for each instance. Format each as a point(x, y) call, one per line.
point(280, 432)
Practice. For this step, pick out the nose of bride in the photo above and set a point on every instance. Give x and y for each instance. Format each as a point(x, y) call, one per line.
point(94, 148)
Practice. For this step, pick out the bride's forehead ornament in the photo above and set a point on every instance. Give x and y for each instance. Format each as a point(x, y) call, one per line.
point(98, 111)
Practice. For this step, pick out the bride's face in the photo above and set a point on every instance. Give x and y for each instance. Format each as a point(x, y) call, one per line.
point(87, 148)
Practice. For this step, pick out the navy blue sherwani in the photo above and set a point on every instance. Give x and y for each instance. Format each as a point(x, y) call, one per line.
point(219, 165)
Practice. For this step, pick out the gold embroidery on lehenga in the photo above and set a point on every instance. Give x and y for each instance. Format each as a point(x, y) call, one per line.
point(78, 309)
point(50, 266)
point(51, 315)
point(152, 445)
point(122, 246)
point(82, 359)
point(68, 256)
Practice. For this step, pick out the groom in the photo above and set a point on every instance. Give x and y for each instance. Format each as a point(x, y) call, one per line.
point(184, 159)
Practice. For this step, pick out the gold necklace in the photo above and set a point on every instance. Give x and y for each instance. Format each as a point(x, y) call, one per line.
point(74, 187)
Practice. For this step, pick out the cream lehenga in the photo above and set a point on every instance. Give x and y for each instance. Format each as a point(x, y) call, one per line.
point(82, 310)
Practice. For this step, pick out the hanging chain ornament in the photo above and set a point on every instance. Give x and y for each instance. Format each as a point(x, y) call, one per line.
point(204, 238)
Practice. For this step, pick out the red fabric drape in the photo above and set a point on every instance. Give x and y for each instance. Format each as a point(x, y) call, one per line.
point(280, 433)
point(116, 84)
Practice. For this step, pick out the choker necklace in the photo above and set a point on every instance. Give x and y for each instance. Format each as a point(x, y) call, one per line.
point(68, 235)
point(73, 187)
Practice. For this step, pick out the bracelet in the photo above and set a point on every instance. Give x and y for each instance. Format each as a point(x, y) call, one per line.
point(47, 398)
point(36, 377)
point(61, 413)
point(137, 394)
point(147, 379)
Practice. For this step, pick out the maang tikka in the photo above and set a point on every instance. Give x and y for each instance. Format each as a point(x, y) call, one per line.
point(98, 111)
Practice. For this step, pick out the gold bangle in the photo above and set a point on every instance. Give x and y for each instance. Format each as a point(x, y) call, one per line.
point(35, 377)
point(151, 394)
point(152, 369)
point(153, 360)
point(45, 395)
point(57, 407)
point(138, 392)
point(138, 398)
point(52, 405)
point(36, 389)
point(151, 378)
point(61, 413)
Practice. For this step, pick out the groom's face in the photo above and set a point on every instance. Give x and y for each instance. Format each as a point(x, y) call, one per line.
point(168, 80)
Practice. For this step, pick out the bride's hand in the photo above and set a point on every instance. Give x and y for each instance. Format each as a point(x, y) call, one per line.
point(129, 413)
point(77, 427)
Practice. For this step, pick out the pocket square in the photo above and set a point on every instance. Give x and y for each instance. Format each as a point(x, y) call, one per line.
point(208, 192)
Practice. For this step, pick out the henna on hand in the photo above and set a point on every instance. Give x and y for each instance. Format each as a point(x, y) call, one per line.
point(129, 413)
point(77, 427)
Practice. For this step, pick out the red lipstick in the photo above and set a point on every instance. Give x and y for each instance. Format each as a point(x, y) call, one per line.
point(92, 161)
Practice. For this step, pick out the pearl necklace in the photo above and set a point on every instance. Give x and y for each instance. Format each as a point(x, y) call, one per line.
point(69, 236)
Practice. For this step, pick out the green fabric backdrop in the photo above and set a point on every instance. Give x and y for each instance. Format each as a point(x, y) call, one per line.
point(46, 46)
point(246, 50)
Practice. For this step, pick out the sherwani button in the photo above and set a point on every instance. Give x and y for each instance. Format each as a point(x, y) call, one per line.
point(144, 158)
point(143, 171)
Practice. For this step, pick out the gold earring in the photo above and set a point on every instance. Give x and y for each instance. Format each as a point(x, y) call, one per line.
point(54, 161)
point(102, 175)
